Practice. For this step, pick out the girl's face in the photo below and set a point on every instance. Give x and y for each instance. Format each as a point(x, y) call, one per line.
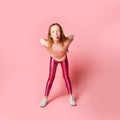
point(55, 33)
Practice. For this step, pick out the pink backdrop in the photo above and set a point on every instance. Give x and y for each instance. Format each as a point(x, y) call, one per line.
point(94, 59)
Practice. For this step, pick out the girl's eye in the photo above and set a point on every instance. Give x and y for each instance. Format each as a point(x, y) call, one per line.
point(55, 31)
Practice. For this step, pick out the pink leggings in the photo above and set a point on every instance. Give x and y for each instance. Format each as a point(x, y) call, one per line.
point(52, 71)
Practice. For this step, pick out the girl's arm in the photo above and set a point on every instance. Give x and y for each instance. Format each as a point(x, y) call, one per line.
point(69, 39)
point(44, 42)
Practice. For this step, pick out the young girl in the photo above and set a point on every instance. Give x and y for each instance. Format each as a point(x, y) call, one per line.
point(57, 45)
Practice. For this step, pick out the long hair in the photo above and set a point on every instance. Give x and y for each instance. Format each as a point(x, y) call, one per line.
point(63, 38)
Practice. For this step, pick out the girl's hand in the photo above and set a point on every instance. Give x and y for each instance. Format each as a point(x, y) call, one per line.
point(71, 37)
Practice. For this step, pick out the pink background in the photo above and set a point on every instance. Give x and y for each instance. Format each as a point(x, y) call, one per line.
point(94, 59)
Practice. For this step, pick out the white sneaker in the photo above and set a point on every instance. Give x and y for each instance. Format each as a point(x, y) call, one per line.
point(43, 102)
point(72, 101)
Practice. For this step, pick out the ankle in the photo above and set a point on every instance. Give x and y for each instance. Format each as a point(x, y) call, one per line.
point(46, 97)
point(71, 95)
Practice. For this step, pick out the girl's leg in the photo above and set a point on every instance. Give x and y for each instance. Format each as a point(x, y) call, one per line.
point(52, 71)
point(65, 71)
point(64, 65)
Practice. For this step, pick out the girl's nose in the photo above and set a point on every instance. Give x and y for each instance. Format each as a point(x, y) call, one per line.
point(56, 32)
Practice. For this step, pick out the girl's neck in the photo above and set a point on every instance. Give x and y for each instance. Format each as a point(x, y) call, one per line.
point(56, 42)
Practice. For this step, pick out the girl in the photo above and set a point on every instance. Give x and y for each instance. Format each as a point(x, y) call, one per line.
point(57, 45)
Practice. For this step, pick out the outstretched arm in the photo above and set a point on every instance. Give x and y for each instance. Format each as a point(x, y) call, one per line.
point(44, 42)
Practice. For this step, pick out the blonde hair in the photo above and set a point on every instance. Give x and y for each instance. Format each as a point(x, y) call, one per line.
point(63, 38)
